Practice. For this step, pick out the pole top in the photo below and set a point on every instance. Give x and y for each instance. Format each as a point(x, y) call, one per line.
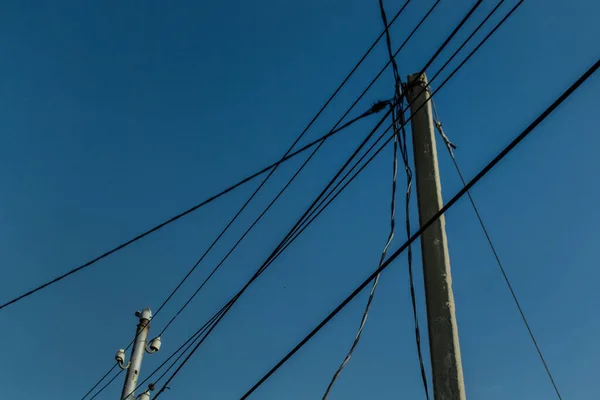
point(418, 79)
point(145, 314)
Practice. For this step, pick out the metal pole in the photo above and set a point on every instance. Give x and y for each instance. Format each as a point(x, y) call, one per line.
point(446, 365)
point(137, 354)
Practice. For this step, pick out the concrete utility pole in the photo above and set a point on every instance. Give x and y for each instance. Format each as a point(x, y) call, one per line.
point(448, 383)
point(137, 354)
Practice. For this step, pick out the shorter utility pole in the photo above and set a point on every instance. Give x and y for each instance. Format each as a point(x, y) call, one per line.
point(137, 354)
point(446, 365)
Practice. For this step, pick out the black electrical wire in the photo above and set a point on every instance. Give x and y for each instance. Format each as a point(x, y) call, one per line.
point(230, 303)
point(373, 81)
point(107, 384)
point(426, 225)
point(422, 20)
point(196, 335)
point(399, 125)
point(373, 109)
point(399, 143)
point(376, 108)
point(327, 200)
point(449, 147)
point(100, 381)
point(290, 233)
point(441, 85)
point(483, 41)
point(391, 235)
point(314, 214)
point(288, 155)
point(172, 219)
point(275, 251)
point(289, 150)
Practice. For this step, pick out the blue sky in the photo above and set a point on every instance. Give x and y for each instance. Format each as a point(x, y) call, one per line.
point(116, 115)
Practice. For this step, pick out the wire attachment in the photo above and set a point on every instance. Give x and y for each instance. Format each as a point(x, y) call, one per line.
point(379, 106)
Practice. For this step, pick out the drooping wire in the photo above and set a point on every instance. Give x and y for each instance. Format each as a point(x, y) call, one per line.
point(196, 335)
point(414, 30)
point(217, 317)
point(451, 147)
point(298, 232)
point(321, 207)
point(374, 109)
point(381, 147)
point(275, 252)
point(399, 124)
point(376, 281)
point(290, 149)
point(483, 172)
point(172, 219)
point(265, 265)
point(290, 234)
point(398, 143)
point(194, 208)
point(377, 107)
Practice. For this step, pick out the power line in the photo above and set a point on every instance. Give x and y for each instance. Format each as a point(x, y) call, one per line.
point(398, 104)
point(170, 220)
point(288, 151)
point(291, 233)
point(273, 254)
point(230, 303)
point(484, 40)
point(426, 225)
point(375, 108)
point(315, 214)
point(100, 381)
point(334, 129)
point(402, 143)
point(273, 166)
point(376, 281)
point(196, 336)
point(107, 384)
point(449, 147)
point(312, 213)
point(368, 87)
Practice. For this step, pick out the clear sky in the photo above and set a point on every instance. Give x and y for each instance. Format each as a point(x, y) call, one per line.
point(116, 115)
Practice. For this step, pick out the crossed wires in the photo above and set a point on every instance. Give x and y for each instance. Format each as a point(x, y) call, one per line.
point(375, 108)
point(269, 260)
point(432, 79)
point(483, 172)
point(398, 124)
point(176, 217)
point(451, 147)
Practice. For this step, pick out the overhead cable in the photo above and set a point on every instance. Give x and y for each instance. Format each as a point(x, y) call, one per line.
point(289, 154)
point(515, 142)
point(267, 263)
point(450, 147)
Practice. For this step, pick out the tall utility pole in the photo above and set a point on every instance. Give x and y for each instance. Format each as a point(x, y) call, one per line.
point(137, 354)
point(446, 365)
